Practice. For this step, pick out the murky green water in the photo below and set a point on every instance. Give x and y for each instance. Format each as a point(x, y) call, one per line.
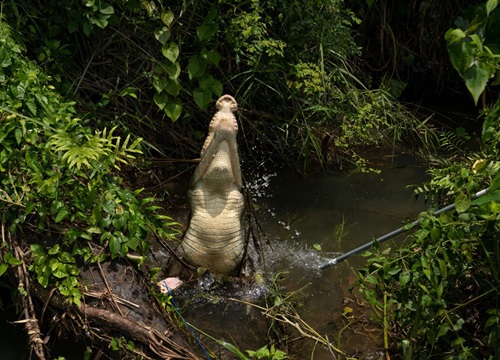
point(308, 221)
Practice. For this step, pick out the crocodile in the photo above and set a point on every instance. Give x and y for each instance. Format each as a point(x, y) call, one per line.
point(214, 238)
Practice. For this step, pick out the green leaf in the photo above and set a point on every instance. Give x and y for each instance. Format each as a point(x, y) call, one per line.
point(173, 87)
point(30, 104)
point(106, 9)
point(202, 98)
point(462, 203)
point(196, 67)
point(171, 53)
point(461, 55)
point(490, 6)
point(173, 110)
point(205, 32)
point(216, 87)
point(476, 79)
point(173, 70)
point(37, 250)
point(160, 83)
point(211, 56)
point(129, 91)
point(454, 35)
point(100, 20)
point(371, 279)
point(317, 247)
point(490, 196)
point(212, 13)
point(167, 17)
point(234, 350)
point(19, 135)
point(3, 268)
point(404, 277)
point(96, 213)
point(62, 214)
point(495, 183)
point(162, 35)
point(5, 59)
point(161, 99)
point(114, 245)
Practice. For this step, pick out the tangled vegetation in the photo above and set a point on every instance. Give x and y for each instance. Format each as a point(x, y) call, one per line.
point(438, 296)
point(89, 87)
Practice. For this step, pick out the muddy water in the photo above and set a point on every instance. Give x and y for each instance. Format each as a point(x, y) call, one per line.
point(308, 221)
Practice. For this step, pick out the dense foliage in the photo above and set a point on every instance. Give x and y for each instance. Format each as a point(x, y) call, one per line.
point(60, 187)
point(439, 295)
point(86, 86)
point(155, 68)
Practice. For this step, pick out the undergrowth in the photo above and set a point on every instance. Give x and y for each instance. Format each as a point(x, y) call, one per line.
point(438, 296)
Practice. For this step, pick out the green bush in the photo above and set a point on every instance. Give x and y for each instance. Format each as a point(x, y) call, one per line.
point(60, 183)
point(439, 295)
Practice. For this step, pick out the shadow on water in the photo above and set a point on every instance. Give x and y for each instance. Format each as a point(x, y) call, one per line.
point(310, 220)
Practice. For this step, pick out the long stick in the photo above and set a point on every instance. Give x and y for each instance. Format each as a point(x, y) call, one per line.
point(390, 235)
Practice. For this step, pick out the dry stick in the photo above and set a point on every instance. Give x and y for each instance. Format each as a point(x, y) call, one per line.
point(299, 326)
point(110, 292)
point(31, 322)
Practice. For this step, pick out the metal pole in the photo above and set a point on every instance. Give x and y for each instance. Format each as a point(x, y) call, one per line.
point(390, 235)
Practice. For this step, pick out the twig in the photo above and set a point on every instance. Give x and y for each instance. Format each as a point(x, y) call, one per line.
point(118, 299)
point(110, 292)
point(31, 322)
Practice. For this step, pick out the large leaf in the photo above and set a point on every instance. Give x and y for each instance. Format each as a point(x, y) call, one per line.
point(490, 6)
point(161, 99)
point(196, 67)
point(205, 32)
point(173, 69)
point(476, 79)
point(167, 17)
point(160, 83)
point(202, 97)
point(173, 110)
point(162, 35)
point(461, 55)
point(462, 203)
point(173, 87)
point(171, 52)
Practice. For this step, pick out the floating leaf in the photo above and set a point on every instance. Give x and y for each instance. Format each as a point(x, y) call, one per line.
point(317, 247)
